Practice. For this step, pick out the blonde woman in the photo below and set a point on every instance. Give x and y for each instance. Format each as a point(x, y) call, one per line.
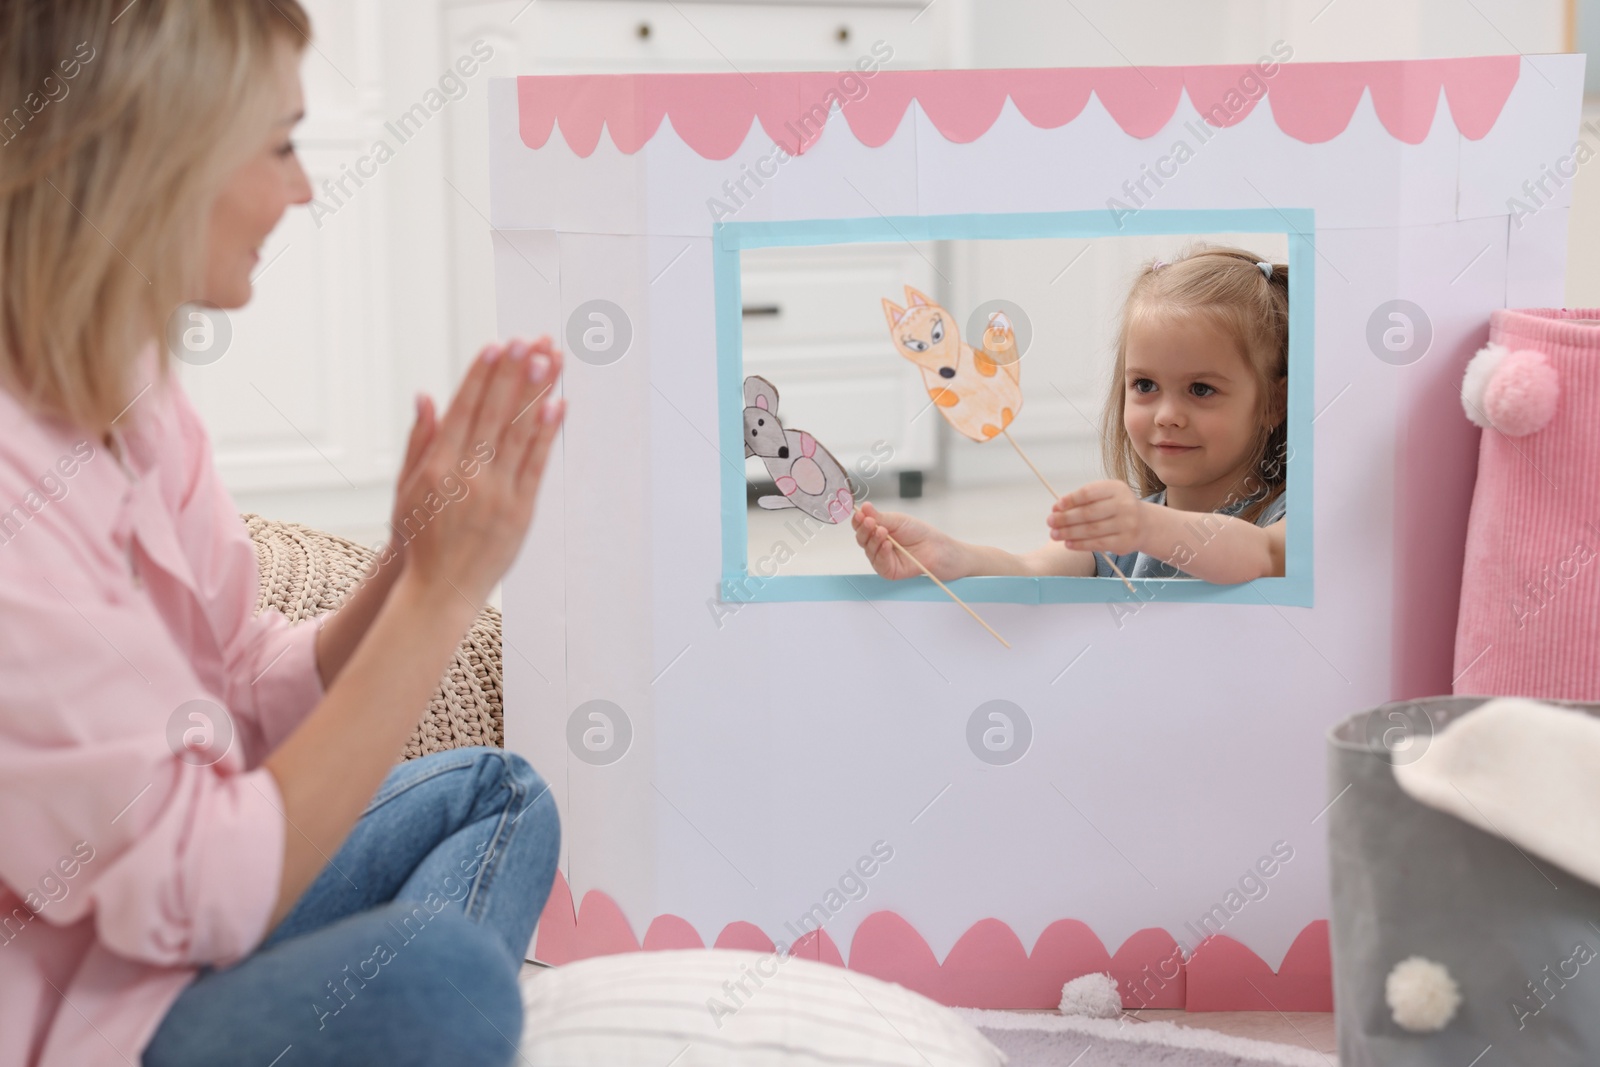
point(276, 891)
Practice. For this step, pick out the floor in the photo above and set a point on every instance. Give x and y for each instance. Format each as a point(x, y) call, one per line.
point(1306, 1029)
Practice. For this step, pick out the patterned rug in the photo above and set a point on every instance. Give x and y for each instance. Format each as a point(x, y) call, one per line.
point(1049, 1040)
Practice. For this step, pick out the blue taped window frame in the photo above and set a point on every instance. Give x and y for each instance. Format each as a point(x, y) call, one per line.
point(739, 585)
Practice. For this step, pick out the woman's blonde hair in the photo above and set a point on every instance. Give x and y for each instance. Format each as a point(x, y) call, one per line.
point(1228, 286)
point(125, 120)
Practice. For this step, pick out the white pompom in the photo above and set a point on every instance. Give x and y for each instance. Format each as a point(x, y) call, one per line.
point(1422, 995)
point(1094, 995)
point(1476, 380)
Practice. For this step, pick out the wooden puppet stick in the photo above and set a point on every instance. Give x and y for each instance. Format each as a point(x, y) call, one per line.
point(946, 588)
point(1037, 473)
point(1057, 496)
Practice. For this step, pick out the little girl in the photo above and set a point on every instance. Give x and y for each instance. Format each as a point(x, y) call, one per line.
point(1195, 422)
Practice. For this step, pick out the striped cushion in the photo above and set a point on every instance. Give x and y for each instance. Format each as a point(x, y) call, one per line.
point(699, 1008)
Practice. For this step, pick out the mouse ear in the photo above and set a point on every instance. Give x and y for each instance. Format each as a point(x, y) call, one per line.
point(760, 393)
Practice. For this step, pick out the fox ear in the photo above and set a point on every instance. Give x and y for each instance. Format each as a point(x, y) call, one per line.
point(916, 299)
point(893, 312)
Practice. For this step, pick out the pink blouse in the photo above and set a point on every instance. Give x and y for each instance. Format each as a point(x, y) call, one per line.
point(130, 854)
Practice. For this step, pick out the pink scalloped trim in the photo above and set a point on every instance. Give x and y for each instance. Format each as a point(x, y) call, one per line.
point(712, 113)
point(988, 967)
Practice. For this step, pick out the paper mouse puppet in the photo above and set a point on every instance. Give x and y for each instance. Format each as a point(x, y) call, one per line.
point(978, 390)
point(806, 473)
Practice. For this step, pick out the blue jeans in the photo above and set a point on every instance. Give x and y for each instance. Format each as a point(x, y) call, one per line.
point(406, 948)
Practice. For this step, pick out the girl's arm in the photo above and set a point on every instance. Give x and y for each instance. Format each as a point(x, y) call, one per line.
point(1218, 548)
point(1107, 517)
point(1051, 560)
point(948, 558)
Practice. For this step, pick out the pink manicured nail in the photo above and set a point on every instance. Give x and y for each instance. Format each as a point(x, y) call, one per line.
point(538, 367)
point(491, 353)
point(553, 410)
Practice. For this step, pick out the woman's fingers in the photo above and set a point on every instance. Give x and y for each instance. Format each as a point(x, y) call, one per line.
point(422, 432)
point(531, 474)
point(544, 419)
point(502, 395)
point(508, 416)
point(456, 426)
point(528, 436)
point(544, 371)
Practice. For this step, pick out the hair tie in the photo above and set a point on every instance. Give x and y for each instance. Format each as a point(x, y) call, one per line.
point(1266, 269)
point(1157, 264)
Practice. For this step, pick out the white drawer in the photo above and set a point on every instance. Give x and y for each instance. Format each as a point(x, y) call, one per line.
point(809, 296)
point(644, 35)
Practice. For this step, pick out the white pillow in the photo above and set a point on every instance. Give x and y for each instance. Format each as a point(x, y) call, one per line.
point(711, 1007)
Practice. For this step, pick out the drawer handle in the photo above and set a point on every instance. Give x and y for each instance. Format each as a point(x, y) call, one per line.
point(643, 31)
point(751, 311)
point(843, 34)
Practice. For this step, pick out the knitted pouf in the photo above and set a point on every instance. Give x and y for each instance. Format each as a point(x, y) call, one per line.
point(305, 572)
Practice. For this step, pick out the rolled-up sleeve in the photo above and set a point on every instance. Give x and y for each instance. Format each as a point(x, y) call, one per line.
point(200, 884)
point(184, 859)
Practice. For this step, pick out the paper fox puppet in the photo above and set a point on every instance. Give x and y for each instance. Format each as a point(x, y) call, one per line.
point(977, 389)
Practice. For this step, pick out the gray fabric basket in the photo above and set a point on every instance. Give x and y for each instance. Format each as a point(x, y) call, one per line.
point(1408, 880)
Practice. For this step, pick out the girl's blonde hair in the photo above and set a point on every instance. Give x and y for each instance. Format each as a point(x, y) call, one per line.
point(1226, 285)
point(126, 119)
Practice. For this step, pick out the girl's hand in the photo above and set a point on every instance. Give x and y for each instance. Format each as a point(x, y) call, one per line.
point(1098, 517)
point(466, 497)
point(938, 551)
